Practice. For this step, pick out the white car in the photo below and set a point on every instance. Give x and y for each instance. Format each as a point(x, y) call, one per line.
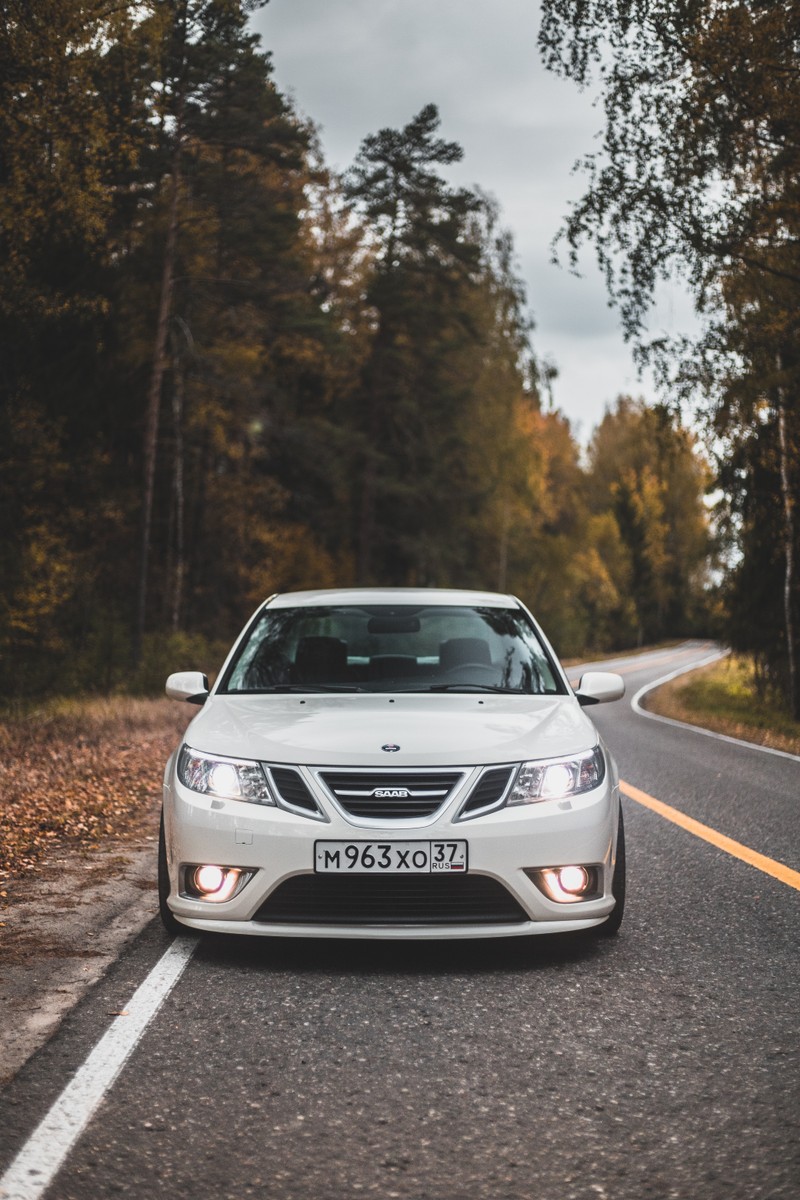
point(392, 763)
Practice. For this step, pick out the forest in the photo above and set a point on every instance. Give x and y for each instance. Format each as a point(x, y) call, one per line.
point(227, 371)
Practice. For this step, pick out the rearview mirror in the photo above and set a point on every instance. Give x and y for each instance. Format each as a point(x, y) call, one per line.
point(598, 687)
point(188, 685)
point(393, 625)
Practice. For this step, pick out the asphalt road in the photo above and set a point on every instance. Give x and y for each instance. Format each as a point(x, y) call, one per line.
point(661, 1064)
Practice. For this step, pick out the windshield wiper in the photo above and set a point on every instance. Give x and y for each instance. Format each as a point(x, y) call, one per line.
point(475, 687)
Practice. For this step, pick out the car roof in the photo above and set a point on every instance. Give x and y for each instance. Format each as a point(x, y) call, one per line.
point(393, 596)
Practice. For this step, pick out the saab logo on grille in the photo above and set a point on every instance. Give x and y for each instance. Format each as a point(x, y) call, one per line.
point(385, 793)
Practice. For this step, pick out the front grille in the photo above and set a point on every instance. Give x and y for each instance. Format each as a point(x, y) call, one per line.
point(425, 792)
point(391, 900)
point(489, 790)
point(292, 789)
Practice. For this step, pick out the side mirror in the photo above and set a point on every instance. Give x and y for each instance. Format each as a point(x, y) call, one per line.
point(598, 687)
point(188, 685)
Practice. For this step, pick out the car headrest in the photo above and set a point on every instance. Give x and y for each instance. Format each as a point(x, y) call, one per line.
point(456, 651)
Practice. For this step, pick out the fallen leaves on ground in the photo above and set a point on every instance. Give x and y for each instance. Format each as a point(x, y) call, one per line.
point(79, 776)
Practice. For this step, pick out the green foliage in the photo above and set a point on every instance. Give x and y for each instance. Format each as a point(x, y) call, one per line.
point(646, 472)
point(165, 652)
point(416, 387)
point(698, 178)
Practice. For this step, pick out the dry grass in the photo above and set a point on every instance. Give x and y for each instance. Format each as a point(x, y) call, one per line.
point(77, 772)
point(723, 697)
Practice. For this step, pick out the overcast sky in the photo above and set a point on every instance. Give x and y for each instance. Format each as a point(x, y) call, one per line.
point(355, 66)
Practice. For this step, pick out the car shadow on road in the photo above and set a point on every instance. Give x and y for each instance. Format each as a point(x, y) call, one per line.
point(400, 957)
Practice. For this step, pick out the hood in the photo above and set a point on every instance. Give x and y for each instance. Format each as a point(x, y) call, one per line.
point(430, 730)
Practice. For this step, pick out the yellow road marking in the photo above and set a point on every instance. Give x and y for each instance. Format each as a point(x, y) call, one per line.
point(768, 865)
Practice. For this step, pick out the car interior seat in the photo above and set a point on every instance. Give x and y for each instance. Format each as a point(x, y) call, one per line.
point(456, 652)
point(321, 660)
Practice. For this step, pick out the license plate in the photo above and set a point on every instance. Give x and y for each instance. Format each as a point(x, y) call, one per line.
point(390, 858)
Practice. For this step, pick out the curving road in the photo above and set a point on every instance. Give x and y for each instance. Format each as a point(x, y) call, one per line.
point(661, 1064)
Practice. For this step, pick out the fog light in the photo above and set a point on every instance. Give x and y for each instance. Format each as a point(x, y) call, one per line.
point(567, 885)
point(573, 879)
point(210, 882)
point(209, 879)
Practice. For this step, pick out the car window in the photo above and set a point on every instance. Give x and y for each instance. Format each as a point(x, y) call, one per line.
point(393, 648)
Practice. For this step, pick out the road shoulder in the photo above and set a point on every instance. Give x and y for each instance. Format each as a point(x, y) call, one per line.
point(65, 928)
point(712, 697)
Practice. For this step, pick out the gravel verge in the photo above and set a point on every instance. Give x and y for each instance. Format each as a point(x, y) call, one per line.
point(62, 931)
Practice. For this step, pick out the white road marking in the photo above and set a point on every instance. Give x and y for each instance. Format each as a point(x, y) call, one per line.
point(37, 1163)
point(626, 663)
point(636, 705)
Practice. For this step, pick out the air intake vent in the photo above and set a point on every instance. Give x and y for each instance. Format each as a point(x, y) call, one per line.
point(391, 901)
point(292, 789)
point(391, 795)
point(488, 791)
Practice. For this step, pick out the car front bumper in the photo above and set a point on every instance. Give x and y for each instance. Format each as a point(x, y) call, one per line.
point(277, 845)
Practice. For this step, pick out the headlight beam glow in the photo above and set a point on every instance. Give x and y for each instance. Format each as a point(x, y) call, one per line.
point(226, 778)
point(557, 779)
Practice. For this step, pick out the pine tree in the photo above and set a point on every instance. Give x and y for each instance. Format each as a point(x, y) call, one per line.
point(413, 392)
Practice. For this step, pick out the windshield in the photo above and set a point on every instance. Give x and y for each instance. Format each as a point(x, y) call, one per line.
point(378, 648)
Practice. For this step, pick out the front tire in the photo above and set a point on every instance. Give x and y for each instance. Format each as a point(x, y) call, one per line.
point(612, 923)
point(169, 922)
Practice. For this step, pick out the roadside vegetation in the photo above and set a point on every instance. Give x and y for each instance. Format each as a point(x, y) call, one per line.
point(729, 697)
point(77, 774)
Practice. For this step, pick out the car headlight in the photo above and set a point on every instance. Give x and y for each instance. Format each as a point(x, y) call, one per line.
point(228, 778)
point(558, 778)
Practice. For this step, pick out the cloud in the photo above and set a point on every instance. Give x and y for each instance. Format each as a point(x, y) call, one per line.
point(355, 66)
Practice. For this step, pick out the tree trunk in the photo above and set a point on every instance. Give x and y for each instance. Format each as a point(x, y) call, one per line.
point(154, 392)
point(366, 525)
point(788, 540)
point(505, 530)
point(177, 416)
point(374, 395)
